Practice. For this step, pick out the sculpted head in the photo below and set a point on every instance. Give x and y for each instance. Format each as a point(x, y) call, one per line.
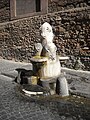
point(46, 32)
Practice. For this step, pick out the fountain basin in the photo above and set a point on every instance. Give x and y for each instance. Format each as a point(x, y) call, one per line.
point(46, 68)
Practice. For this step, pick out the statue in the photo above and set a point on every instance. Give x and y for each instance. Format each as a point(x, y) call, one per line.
point(48, 50)
point(46, 70)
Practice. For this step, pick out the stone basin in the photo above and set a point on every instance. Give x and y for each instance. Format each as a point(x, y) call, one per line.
point(38, 59)
point(45, 68)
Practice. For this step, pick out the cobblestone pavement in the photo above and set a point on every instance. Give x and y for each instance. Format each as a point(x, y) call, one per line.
point(15, 107)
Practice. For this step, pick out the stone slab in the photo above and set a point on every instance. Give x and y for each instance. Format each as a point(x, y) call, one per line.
point(79, 87)
point(7, 65)
point(78, 81)
point(80, 73)
point(11, 74)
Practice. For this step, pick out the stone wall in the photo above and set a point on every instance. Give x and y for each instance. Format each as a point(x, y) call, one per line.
point(58, 5)
point(71, 29)
point(53, 6)
point(4, 10)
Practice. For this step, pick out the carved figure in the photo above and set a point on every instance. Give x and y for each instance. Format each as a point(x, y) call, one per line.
point(46, 65)
point(48, 47)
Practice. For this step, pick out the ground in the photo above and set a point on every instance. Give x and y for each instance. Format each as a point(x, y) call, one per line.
point(13, 106)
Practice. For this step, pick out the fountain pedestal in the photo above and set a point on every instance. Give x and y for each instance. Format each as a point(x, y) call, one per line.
point(48, 71)
point(46, 65)
point(49, 74)
point(45, 68)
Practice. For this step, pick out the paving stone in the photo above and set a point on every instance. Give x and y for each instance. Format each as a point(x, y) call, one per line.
point(15, 107)
point(7, 65)
point(35, 111)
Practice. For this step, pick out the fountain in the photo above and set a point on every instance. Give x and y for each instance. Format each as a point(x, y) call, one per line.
point(46, 69)
point(46, 81)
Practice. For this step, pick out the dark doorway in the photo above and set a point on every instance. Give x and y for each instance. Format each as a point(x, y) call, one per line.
point(38, 5)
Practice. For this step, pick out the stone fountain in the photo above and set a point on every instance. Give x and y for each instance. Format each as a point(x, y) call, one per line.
point(46, 69)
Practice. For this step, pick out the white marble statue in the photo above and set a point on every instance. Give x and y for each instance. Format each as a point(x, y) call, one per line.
point(52, 68)
point(49, 48)
point(47, 33)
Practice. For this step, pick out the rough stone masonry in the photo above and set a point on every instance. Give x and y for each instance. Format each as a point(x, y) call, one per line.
point(72, 35)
